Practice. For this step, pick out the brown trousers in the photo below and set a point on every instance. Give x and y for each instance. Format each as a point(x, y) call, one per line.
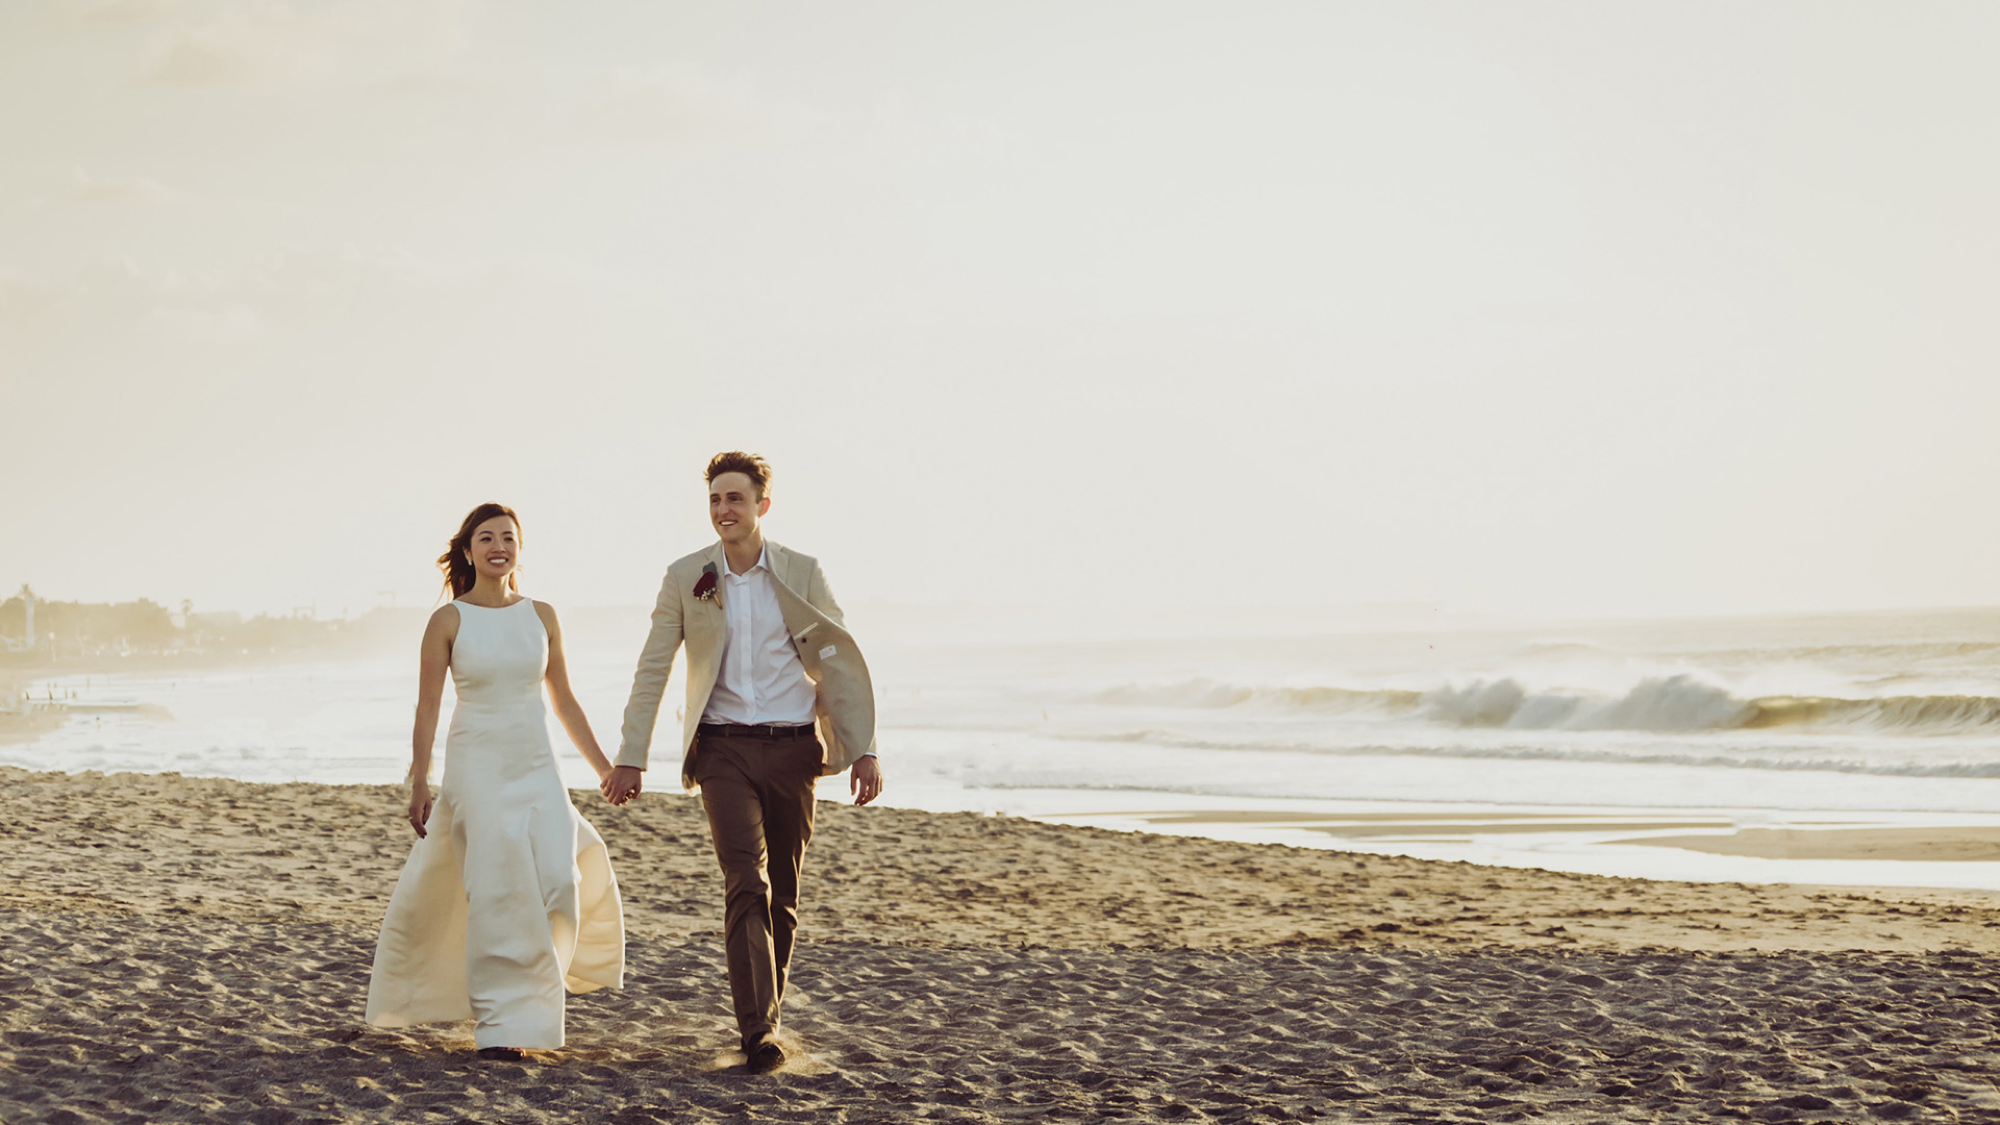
point(759, 795)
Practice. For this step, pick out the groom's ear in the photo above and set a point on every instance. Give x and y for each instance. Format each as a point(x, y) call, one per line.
point(763, 507)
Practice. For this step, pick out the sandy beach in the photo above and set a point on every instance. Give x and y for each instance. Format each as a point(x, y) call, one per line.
point(182, 949)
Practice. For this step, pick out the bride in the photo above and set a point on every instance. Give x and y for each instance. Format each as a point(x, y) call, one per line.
point(508, 896)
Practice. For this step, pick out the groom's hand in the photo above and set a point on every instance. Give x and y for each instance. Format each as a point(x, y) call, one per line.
point(622, 784)
point(865, 780)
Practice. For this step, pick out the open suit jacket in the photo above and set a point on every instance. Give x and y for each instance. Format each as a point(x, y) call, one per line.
point(845, 702)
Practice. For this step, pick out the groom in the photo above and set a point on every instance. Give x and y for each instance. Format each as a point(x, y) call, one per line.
point(777, 696)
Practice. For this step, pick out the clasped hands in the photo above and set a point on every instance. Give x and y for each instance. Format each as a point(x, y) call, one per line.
point(621, 784)
point(624, 782)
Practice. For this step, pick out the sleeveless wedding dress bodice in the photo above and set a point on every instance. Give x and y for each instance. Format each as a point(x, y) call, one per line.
point(509, 899)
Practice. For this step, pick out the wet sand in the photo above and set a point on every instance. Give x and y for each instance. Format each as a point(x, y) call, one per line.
point(190, 950)
point(1942, 844)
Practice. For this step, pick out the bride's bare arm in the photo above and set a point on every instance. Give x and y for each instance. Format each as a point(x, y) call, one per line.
point(434, 659)
point(564, 700)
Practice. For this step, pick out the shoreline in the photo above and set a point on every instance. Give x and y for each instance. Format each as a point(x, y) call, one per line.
point(198, 949)
point(1843, 847)
point(1862, 848)
point(1854, 836)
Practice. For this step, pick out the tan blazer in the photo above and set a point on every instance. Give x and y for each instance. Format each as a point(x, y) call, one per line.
point(846, 696)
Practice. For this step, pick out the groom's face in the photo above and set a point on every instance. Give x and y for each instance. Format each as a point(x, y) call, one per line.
point(734, 507)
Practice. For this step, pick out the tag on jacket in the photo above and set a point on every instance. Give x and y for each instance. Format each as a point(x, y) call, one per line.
point(827, 652)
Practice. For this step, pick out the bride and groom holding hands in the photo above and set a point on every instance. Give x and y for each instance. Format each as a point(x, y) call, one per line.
point(508, 898)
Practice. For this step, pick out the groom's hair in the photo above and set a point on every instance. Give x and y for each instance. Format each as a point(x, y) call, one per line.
point(749, 464)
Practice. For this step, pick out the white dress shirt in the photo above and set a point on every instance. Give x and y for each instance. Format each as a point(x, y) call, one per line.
point(761, 681)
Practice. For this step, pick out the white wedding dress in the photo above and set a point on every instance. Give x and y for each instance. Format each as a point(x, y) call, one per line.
point(509, 898)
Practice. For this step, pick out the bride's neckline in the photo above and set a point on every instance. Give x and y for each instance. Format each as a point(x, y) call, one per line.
point(476, 605)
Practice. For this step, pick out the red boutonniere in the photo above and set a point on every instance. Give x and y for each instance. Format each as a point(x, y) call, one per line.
point(704, 587)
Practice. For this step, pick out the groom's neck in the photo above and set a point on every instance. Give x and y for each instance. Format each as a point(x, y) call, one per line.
point(742, 556)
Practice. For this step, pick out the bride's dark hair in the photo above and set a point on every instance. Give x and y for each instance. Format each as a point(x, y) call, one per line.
point(458, 573)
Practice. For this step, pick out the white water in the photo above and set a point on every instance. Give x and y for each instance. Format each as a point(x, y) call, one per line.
point(1881, 719)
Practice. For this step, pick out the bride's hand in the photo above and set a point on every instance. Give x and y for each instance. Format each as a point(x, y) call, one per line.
point(420, 807)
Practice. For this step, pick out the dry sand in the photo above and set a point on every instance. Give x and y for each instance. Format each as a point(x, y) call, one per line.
point(196, 950)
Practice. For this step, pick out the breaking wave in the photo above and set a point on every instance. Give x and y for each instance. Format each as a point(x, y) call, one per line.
point(1680, 703)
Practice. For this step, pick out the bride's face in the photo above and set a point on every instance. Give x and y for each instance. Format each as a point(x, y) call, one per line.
point(496, 548)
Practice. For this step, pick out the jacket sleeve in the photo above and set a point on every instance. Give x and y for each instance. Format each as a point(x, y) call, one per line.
point(649, 682)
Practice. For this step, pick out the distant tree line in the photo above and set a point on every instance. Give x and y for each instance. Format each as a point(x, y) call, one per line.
point(74, 629)
point(141, 625)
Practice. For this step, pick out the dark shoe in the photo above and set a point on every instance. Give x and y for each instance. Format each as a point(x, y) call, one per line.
point(764, 1057)
point(500, 1054)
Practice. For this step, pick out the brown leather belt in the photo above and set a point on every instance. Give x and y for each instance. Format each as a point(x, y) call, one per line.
point(738, 730)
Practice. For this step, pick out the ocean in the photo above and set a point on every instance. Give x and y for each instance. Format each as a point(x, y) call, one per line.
point(1547, 746)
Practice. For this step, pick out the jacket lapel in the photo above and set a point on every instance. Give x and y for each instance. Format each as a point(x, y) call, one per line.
point(801, 619)
point(783, 565)
point(720, 561)
point(704, 630)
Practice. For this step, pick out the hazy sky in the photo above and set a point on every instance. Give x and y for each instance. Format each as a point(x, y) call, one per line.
point(1512, 307)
